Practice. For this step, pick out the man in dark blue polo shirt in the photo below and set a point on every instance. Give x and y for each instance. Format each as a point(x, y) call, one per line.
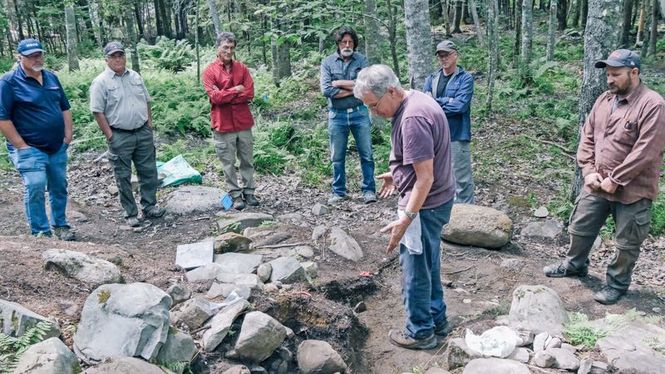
point(35, 119)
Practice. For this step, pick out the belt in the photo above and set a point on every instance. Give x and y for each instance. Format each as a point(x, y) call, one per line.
point(128, 131)
point(348, 110)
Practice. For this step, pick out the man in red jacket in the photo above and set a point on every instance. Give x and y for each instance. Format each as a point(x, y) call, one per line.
point(230, 89)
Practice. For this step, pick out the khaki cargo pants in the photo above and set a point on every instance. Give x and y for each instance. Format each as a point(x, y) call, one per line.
point(227, 146)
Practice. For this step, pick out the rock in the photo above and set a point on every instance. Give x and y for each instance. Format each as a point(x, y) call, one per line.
point(599, 367)
point(113, 190)
point(238, 369)
point(89, 270)
point(292, 217)
point(286, 270)
point(179, 293)
point(548, 229)
point(520, 354)
point(271, 288)
point(564, 359)
point(544, 359)
point(568, 347)
point(513, 264)
point(540, 341)
point(15, 320)
point(585, 366)
point(187, 200)
point(122, 320)
point(221, 324)
point(304, 251)
point(553, 343)
point(238, 263)
point(344, 245)
point(525, 336)
point(311, 269)
point(204, 273)
point(259, 336)
point(126, 365)
point(458, 354)
point(179, 347)
point(320, 209)
point(240, 221)
point(629, 348)
point(250, 280)
point(318, 357)
point(478, 226)
point(264, 271)
point(193, 313)
point(436, 371)
point(50, 356)
point(318, 232)
point(537, 308)
point(360, 307)
point(225, 289)
point(541, 212)
point(495, 366)
point(232, 242)
point(190, 256)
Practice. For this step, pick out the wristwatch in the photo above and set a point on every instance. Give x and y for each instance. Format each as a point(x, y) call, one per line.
point(411, 215)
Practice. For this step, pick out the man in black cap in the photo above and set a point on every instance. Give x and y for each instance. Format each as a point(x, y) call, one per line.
point(620, 154)
point(452, 87)
point(121, 106)
point(36, 120)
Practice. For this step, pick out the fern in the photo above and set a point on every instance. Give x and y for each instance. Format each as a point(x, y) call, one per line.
point(12, 348)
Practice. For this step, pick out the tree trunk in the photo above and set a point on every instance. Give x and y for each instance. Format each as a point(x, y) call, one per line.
point(418, 41)
point(392, 36)
point(518, 31)
point(214, 15)
point(653, 38)
point(196, 42)
point(551, 32)
point(445, 12)
point(139, 22)
point(281, 60)
point(575, 17)
point(159, 21)
point(476, 22)
point(457, 19)
point(600, 38)
point(93, 11)
point(131, 34)
point(437, 11)
point(18, 21)
point(527, 41)
point(641, 23)
point(627, 23)
point(585, 12)
point(372, 35)
point(70, 24)
point(493, 50)
point(562, 14)
point(644, 50)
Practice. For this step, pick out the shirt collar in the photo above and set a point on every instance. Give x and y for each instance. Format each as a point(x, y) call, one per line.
point(637, 92)
point(110, 73)
point(23, 75)
point(339, 57)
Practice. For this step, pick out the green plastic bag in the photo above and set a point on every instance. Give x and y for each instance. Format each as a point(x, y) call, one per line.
point(177, 171)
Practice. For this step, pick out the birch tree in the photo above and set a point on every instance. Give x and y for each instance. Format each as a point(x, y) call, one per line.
point(70, 27)
point(476, 22)
point(527, 40)
point(418, 41)
point(493, 51)
point(551, 32)
point(214, 16)
point(372, 51)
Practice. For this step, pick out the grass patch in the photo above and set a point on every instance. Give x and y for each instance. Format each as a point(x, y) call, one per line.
point(579, 331)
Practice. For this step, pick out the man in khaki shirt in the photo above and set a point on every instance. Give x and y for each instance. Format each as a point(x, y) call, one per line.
point(620, 154)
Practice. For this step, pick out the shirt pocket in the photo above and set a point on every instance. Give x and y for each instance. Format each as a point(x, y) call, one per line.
point(626, 133)
point(113, 94)
point(52, 94)
point(137, 89)
point(336, 75)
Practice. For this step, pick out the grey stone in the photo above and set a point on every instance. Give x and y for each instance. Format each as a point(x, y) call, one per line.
point(240, 221)
point(478, 226)
point(540, 341)
point(537, 308)
point(264, 271)
point(15, 320)
point(113, 190)
point(360, 307)
point(495, 366)
point(179, 293)
point(304, 251)
point(436, 371)
point(89, 270)
point(629, 348)
point(126, 365)
point(544, 359)
point(190, 256)
point(318, 357)
point(50, 356)
point(232, 242)
point(204, 273)
point(193, 313)
point(599, 367)
point(311, 269)
point(514, 264)
point(238, 263)
point(548, 229)
point(221, 324)
point(568, 347)
point(525, 337)
point(564, 359)
point(344, 245)
point(259, 336)
point(541, 212)
point(225, 289)
point(520, 354)
point(458, 354)
point(122, 320)
point(585, 366)
point(250, 280)
point(553, 343)
point(318, 232)
point(179, 347)
point(319, 209)
point(193, 199)
point(238, 369)
point(292, 217)
point(286, 270)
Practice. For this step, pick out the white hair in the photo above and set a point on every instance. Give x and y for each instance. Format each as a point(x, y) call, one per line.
point(376, 79)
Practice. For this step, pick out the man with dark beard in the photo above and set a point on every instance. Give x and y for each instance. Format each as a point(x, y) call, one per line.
point(620, 154)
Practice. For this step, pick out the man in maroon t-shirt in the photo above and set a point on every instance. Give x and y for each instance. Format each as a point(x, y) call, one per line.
point(421, 171)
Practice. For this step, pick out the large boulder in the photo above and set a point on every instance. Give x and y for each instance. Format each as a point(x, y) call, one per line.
point(286, 270)
point(15, 320)
point(194, 255)
point(260, 335)
point(48, 357)
point(344, 245)
point(238, 263)
point(90, 270)
point(318, 357)
point(193, 199)
point(630, 348)
point(537, 308)
point(458, 354)
point(232, 242)
point(240, 221)
point(193, 313)
point(122, 320)
point(178, 348)
point(126, 365)
point(495, 366)
point(478, 226)
point(204, 273)
point(221, 324)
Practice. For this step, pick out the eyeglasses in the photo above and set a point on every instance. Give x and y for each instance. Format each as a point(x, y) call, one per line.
point(117, 55)
point(35, 56)
point(376, 105)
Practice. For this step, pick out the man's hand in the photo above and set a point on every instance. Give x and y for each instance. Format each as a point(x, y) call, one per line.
point(608, 186)
point(397, 230)
point(239, 88)
point(593, 181)
point(388, 187)
point(67, 140)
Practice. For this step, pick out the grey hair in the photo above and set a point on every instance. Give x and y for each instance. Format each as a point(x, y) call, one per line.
point(376, 79)
point(225, 36)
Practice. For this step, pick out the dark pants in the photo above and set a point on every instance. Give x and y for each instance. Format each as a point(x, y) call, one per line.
point(135, 146)
point(632, 227)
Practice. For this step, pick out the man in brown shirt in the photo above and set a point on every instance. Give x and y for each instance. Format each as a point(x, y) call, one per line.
point(620, 154)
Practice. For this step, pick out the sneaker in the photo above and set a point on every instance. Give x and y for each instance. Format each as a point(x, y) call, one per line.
point(250, 199)
point(608, 295)
point(401, 339)
point(154, 212)
point(560, 270)
point(42, 234)
point(64, 233)
point(238, 203)
point(335, 198)
point(133, 221)
point(442, 329)
point(369, 197)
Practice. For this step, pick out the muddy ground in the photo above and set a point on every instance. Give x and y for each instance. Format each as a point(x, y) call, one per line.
point(477, 287)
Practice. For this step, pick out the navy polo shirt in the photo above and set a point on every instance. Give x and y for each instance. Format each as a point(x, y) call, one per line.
point(34, 109)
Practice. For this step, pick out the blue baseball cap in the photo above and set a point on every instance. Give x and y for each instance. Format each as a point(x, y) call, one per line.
point(27, 47)
point(620, 58)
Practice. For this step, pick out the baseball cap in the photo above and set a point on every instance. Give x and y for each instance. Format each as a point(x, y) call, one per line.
point(27, 47)
point(446, 46)
point(620, 58)
point(113, 47)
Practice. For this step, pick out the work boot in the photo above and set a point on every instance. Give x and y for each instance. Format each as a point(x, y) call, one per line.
point(132, 221)
point(154, 212)
point(608, 295)
point(335, 199)
point(369, 197)
point(64, 233)
point(250, 199)
point(401, 339)
point(442, 329)
point(560, 270)
point(238, 203)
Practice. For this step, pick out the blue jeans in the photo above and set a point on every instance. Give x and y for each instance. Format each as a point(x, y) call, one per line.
point(462, 166)
point(422, 291)
point(38, 170)
point(340, 123)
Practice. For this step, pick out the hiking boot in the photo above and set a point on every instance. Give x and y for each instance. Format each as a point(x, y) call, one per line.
point(238, 203)
point(154, 212)
point(64, 233)
point(250, 199)
point(42, 234)
point(560, 270)
point(608, 295)
point(401, 339)
point(132, 221)
point(335, 199)
point(442, 329)
point(369, 197)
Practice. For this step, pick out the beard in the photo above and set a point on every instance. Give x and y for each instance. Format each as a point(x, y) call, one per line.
point(37, 69)
point(346, 52)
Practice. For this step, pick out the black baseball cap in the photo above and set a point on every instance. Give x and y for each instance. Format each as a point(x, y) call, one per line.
point(113, 47)
point(620, 58)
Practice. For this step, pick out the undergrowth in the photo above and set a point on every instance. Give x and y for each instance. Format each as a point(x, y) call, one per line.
point(12, 348)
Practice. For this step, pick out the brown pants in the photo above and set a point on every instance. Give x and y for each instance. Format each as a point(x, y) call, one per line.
point(228, 145)
point(632, 227)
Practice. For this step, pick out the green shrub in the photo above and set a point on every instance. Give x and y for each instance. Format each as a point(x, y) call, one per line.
point(580, 331)
point(12, 348)
point(169, 54)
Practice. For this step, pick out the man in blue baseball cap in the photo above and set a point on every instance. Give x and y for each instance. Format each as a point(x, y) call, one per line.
point(36, 120)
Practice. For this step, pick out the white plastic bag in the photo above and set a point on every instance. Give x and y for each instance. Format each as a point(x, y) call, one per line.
point(498, 341)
